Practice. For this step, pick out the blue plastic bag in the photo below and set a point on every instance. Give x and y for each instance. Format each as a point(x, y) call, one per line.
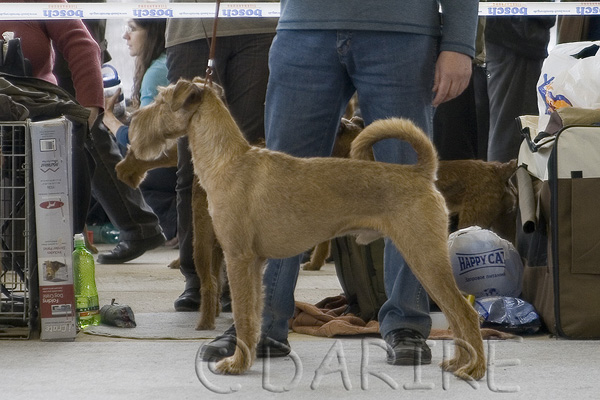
point(508, 314)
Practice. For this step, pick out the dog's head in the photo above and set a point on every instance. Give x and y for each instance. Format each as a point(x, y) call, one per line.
point(347, 132)
point(155, 128)
point(52, 268)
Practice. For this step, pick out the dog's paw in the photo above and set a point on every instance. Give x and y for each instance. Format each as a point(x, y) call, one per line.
point(468, 372)
point(308, 266)
point(174, 264)
point(92, 249)
point(205, 325)
point(129, 176)
point(450, 365)
point(232, 365)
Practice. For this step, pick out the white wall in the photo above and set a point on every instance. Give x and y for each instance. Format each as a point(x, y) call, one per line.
point(119, 52)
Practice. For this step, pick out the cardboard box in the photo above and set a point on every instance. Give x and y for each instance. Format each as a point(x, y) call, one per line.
point(51, 156)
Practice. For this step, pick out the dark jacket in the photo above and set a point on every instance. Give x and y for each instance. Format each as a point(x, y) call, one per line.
point(528, 36)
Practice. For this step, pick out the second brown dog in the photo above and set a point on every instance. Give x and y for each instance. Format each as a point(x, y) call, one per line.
point(476, 192)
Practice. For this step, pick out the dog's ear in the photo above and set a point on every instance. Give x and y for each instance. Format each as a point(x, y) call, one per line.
point(358, 121)
point(219, 91)
point(185, 93)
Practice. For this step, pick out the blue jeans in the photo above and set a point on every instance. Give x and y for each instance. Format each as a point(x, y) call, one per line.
point(313, 74)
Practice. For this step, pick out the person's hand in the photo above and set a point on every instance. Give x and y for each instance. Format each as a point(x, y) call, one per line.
point(452, 75)
point(94, 111)
point(109, 102)
point(109, 119)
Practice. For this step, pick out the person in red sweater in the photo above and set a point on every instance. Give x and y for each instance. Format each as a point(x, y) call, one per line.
point(72, 39)
point(138, 225)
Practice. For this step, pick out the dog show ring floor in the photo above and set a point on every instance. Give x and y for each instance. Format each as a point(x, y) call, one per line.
point(158, 358)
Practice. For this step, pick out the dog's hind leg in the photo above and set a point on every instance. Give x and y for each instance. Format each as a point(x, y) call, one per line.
point(245, 283)
point(425, 249)
point(318, 256)
point(431, 266)
point(205, 257)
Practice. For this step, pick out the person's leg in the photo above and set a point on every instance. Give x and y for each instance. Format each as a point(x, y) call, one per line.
point(186, 60)
point(158, 189)
point(512, 93)
point(482, 109)
point(398, 85)
point(306, 98)
point(138, 225)
point(243, 71)
point(82, 167)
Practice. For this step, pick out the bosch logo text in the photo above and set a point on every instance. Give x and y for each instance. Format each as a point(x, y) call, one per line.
point(248, 12)
point(587, 10)
point(153, 13)
point(507, 10)
point(63, 13)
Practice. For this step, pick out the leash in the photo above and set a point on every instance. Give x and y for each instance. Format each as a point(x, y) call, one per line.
point(210, 68)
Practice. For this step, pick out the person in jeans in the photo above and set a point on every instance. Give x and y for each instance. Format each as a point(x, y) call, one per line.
point(401, 62)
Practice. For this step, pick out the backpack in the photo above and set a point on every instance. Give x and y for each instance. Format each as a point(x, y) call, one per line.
point(360, 271)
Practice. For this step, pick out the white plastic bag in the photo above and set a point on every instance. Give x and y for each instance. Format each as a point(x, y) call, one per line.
point(568, 81)
point(484, 264)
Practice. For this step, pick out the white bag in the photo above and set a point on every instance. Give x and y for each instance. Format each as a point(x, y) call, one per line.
point(567, 81)
point(484, 264)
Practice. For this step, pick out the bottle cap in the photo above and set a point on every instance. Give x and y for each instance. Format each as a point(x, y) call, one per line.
point(110, 76)
point(78, 238)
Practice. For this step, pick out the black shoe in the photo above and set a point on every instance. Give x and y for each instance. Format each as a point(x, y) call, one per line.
point(407, 347)
point(128, 250)
point(224, 346)
point(189, 300)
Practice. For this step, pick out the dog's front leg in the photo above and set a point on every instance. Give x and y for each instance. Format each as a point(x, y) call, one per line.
point(245, 284)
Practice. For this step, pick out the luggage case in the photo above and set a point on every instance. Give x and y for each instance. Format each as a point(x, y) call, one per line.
point(559, 192)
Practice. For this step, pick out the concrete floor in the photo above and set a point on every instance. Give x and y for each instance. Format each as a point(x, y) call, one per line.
point(96, 367)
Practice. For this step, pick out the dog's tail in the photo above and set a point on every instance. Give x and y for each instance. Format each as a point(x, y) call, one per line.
point(396, 128)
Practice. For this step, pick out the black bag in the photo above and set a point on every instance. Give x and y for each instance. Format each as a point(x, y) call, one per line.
point(12, 60)
point(360, 271)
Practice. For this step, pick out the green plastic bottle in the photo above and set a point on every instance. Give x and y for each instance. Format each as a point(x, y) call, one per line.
point(86, 293)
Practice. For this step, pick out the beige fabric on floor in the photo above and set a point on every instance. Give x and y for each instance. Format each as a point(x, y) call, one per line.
point(326, 319)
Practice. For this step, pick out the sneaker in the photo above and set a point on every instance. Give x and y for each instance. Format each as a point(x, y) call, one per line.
point(224, 346)
point(407, 347)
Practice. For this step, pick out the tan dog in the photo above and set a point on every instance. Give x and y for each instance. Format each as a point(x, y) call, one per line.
point(132, 171)
point(479, 193)
point(262, 207)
